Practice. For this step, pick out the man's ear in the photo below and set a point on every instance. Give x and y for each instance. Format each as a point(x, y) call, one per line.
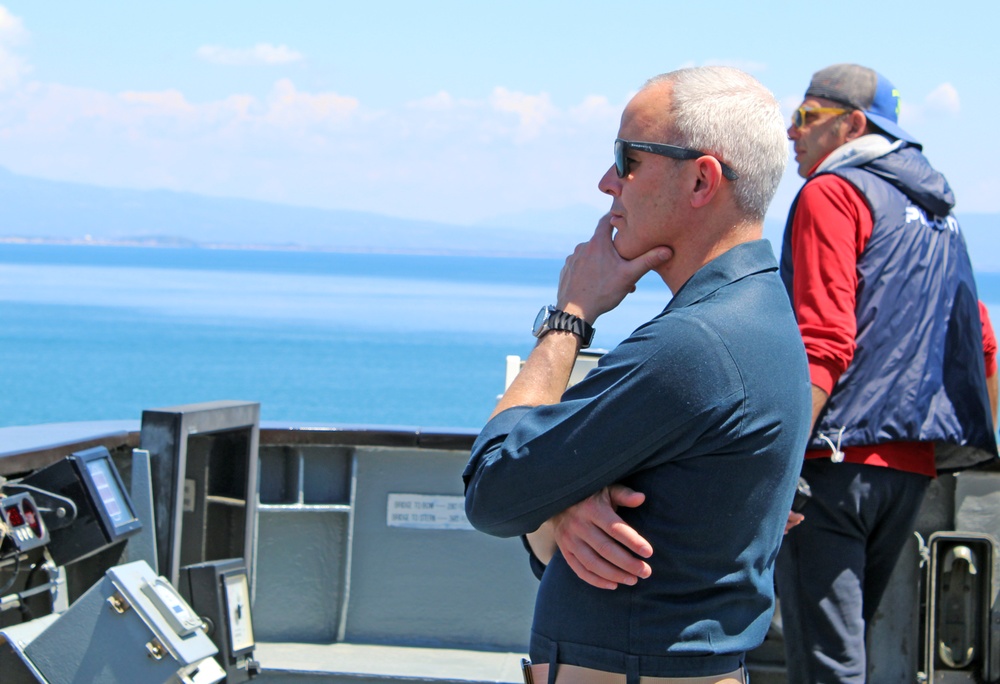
point(707, 181)
point(857, 125)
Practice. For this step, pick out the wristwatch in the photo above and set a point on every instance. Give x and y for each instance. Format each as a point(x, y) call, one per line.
point(551, 318)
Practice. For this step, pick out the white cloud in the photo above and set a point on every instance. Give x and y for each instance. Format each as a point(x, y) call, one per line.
point(261, 54)
point(287, 106)
point(441, 156)
point(437, 156)
point(167, 101)
point(943, 99)
point(439, 102)
point(12, 29)
point(52, 115)
point(595, 108)
point(938, 105)
point(285, 109)
point(12, 33)
point(12, 68)
point(533, 111)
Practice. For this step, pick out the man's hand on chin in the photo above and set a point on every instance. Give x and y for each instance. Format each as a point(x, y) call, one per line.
point(595, 278)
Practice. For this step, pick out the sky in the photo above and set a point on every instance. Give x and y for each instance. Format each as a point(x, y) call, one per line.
point(459, 112)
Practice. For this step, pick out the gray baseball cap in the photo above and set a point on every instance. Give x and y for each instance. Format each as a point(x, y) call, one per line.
point(862, 88)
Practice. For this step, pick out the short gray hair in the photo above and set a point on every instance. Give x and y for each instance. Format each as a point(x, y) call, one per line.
point(728, 113)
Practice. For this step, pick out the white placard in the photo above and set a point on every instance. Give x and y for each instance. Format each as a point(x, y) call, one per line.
point(238, 607)
point(427, 512)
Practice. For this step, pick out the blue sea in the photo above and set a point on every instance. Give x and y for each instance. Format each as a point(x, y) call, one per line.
point(100, 332)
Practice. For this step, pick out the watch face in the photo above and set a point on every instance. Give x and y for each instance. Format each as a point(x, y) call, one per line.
point(540, 320)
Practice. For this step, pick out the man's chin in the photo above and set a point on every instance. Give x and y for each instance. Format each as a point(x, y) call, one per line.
point(615, 243)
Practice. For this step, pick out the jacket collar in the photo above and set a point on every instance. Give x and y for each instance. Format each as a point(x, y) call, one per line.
point(858, 152)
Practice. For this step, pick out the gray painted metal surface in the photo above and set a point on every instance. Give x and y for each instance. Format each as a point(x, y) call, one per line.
point(199, 453)
point(94, 642)
point(15, 666)
point(441, 587)
point(342, 595)
point(142, 545)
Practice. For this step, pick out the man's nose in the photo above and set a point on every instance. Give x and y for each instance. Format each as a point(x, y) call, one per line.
point(793, 132)
point(610, 183)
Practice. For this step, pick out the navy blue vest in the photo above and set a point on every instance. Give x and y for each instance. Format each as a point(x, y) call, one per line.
point(917, 372)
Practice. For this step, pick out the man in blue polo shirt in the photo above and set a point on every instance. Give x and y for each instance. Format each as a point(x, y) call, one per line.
point(705, 408)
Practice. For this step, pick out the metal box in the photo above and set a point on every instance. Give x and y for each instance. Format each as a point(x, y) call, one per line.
point(129, 628)
point(219, 591)
point(203, 461)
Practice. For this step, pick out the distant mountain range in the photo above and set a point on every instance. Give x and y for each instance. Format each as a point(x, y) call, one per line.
point(35, 209)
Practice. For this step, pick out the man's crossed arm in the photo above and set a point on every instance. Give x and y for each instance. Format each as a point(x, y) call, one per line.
point(600, 547)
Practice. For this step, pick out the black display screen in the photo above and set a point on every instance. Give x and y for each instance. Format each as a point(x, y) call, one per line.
point(107, 492)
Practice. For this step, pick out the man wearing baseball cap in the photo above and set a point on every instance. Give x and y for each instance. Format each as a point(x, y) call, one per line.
point(884, 296)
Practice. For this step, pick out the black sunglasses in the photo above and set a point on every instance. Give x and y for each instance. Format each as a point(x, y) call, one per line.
point(673, 151)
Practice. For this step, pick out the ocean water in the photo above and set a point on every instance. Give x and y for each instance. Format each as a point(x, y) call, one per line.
point(96, 333)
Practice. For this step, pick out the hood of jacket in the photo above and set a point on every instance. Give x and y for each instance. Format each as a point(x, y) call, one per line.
point(900, 164)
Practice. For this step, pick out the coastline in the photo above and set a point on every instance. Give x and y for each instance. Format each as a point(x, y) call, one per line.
point(184, 243)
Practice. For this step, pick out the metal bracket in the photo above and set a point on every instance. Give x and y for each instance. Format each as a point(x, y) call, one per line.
point(156, 649)
point(119, 603)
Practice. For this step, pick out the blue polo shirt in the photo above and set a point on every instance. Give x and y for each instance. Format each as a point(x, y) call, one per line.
point(706, 410)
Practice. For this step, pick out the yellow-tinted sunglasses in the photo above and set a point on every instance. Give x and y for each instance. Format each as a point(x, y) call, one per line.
point(799, 115)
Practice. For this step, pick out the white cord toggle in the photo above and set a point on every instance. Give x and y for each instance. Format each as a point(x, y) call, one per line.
point(837, 456)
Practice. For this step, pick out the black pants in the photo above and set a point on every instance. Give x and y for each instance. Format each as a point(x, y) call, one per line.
point(834, 567)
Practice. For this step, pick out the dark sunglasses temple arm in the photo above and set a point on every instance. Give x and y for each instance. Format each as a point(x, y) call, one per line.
point(673, 151)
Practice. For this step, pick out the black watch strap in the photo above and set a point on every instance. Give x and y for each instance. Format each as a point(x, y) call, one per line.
point(560, 320)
